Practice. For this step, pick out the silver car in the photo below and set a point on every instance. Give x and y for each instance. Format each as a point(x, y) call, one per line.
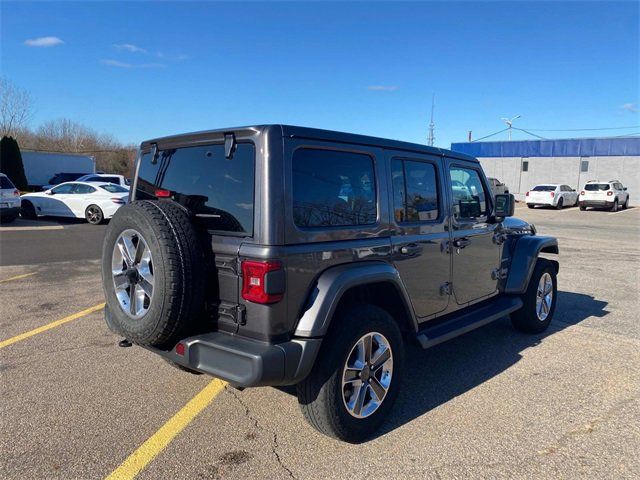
point(9, 200)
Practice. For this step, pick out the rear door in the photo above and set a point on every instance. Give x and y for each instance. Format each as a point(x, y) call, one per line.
point(220, 194)
point(420, 246)
point(475, 251)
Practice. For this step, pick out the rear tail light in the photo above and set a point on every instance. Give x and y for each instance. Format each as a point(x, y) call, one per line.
point(119, 201)
point(16, 193)
point(526, 194)
point(553, 194)
point(582, 193)
point(609, 193)
point(162, 193)
point(262, 281)
point(180, 349)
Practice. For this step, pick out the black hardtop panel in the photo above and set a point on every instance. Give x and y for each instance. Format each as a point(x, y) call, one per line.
point(292, 131)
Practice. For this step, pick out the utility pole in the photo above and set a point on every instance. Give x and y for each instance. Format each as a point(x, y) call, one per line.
point(509, 122)
point(432, 126)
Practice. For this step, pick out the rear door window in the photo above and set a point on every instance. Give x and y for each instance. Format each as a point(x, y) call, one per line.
point(66, 188)
point(333, 188)
point(415, 191)
point(219, 191)
point(83, 189)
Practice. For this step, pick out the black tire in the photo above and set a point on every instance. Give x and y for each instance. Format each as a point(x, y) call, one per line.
point(94, 215)
point(320, 395)
point(526, 319)
point(177, 268)
point(614, 207)
point(28, 211)
point(560, 204)
point(582, 208)
point(530, 206)
point(626, 203)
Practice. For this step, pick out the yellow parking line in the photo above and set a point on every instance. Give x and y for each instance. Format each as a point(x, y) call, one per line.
point(49, 326)
point(159, 440)
point(18, 277)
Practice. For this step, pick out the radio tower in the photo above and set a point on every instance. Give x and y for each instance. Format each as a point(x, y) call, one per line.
point(432, 126)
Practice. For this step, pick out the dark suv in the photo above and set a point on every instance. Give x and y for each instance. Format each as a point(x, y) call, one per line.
point(279, 255)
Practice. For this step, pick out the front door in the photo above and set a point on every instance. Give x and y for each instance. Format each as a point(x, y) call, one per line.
point(475, 249)
point(420, 245)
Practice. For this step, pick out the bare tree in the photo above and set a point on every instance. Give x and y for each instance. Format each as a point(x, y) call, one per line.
point(16, 108)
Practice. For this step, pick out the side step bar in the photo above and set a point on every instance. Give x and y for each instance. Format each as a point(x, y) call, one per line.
point(433, 335)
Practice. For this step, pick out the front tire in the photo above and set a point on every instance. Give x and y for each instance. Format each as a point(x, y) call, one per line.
point(357, 375)
point(539, 301)
point(28, 211)
point(93, 214)
point(530, 206)
point(614, 208)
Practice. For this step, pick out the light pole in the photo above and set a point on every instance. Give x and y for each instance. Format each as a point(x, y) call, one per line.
point(509, 122)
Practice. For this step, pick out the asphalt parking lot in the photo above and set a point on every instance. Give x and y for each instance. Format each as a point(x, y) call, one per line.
point(493, 403)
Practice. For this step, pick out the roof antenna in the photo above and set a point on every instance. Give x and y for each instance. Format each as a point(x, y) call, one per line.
point(432, 126)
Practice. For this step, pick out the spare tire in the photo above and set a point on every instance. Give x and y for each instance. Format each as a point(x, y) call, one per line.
point(152, 272)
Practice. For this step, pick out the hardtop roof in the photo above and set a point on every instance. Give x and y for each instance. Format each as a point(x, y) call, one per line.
point(315, 134)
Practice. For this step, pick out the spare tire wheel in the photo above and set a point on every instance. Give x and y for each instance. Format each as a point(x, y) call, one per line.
point(152, 271)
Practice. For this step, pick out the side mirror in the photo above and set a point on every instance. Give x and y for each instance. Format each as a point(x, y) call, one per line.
point(505, 205)
point(573, 189)
point(49, 192)
point(625, 189)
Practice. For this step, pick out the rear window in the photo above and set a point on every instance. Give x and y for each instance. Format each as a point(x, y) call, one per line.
point(544, 188)
point(6, 183)
point(596, 187)
point(113, 188)
point(333, 189)
point(217, 190)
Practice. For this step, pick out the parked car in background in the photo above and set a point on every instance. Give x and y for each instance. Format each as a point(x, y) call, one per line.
point(599, 194)
point(9, 200)
point(551, 195)
point(62, 177)
point(94, 201)
point(497, 187)
point(106, 177)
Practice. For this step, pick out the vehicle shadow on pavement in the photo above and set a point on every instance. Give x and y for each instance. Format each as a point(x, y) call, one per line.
point(435, 376)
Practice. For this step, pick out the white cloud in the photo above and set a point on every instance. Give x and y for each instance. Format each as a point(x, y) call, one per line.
point(43, 42)
point(629, 107)
point(382, 88)
point(116, 63)
point(130, 48)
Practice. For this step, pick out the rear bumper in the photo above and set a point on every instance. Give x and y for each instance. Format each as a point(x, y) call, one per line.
point(595, 203)
point(244, 362)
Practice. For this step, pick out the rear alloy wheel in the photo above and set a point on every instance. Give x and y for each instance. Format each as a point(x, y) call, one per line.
point(614, 208)
point(356, 377)
point(560, 203)
point(94, 215)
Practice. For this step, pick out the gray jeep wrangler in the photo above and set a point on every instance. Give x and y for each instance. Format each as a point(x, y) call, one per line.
point(279, 255)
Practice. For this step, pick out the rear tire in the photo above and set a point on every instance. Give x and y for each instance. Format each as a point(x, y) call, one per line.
point(530, 206)
point(28, 211)
point(539, 301)
point(582, 208)
point(626, 203)
point(8, 218)
point(93, 214)
point(560, 204)
point(330, 396)
point(614, 208)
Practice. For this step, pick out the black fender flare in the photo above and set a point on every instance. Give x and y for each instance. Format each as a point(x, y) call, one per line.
point(523, 260)
point(334, 283)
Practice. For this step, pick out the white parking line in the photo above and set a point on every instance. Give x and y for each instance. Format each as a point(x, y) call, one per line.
point(25, 229)
point(621, 211)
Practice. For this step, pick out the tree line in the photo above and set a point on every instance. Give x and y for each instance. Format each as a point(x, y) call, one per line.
point(60, 135)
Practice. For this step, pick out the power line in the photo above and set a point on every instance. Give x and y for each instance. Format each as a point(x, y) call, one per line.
point(528, 132)
point(579, 129)
point(487, 136)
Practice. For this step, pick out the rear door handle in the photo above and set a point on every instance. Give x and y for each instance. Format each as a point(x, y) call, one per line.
point(410, 249)
point(461, 242)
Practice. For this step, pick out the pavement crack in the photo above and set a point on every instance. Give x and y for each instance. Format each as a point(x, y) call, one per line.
point(272, 433)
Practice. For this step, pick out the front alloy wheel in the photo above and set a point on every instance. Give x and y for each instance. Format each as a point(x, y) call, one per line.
point(544, 297)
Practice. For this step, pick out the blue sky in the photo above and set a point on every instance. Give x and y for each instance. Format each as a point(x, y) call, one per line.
point(142, 69)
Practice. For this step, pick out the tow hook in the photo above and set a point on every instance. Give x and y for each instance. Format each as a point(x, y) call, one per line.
point(124, 343)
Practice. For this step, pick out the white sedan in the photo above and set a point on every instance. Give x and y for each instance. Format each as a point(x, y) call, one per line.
point(552, 195)
point(94, 201)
